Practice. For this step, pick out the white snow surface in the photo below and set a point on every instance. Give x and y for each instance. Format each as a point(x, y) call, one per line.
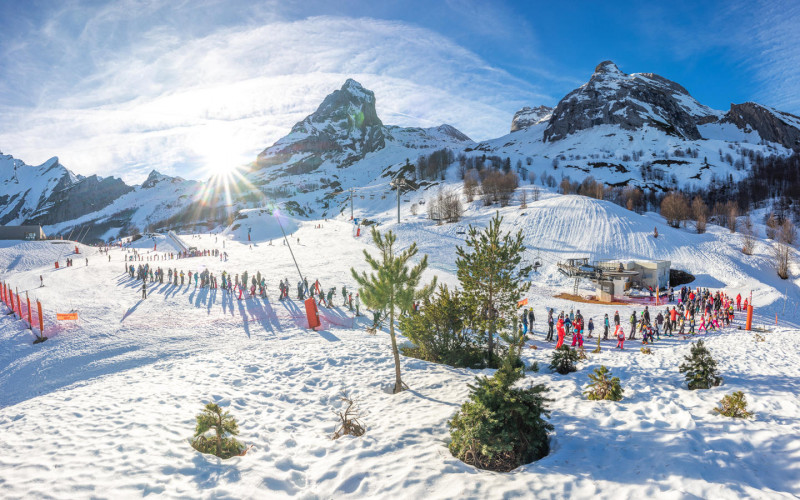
point(105, 407)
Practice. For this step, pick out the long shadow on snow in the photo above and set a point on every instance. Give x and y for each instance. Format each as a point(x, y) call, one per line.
point(655, 456)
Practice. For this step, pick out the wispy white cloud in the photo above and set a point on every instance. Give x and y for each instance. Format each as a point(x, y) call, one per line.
point(182, 101)
point(772, 42)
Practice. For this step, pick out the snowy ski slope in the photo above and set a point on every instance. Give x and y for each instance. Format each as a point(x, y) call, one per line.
point(106, 406)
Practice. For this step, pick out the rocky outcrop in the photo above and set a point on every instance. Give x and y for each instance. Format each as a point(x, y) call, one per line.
point(83, 197)
point(772, 125)
point(611, 97)
point(345, 125)
point(528, 116)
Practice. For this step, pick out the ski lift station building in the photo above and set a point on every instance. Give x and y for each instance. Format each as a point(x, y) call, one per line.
point(643, 274)
point(30, 233)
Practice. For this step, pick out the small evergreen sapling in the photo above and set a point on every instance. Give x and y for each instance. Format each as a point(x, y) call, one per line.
point(700, 368)
point(222, 444)
point(501, 427)
point(563, 360)
point(602, 387)
point(734, 406)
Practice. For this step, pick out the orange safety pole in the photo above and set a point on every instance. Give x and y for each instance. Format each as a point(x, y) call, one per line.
point(41, 322)
point(19, 305)
point(11, 299)
point(30, 321)
point(749, 323)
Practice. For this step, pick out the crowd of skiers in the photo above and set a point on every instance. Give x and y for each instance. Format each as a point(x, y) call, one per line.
point(696, 310)
point(240, 286)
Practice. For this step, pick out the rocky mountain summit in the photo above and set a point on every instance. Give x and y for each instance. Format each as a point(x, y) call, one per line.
point(611, 97)
point(528, 116)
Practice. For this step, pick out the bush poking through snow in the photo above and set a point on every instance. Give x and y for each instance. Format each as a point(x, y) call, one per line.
point(563, 360)
point(441, 332)
point(603, 386)
point(700, 368)
point(760, 338)
point(501, 427)
point(222, 443)
point(349, 425)
point(734, 406)
point(646, 350)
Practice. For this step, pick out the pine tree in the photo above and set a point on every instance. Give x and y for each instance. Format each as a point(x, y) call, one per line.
point(501, 427)
point(700, 368)
point(602, 387)
point(393, 286)
point(564, 359)
point(224, 426)
point(734, 406)
point(489, 272)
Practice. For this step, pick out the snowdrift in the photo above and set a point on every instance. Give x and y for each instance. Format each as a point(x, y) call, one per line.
point(262, 225)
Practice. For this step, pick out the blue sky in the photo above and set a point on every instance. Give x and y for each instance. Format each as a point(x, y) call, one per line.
point(123, 87)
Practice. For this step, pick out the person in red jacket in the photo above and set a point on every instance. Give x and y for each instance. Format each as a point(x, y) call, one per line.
point(620, 337)
point(739, 302)
point(577, 335)
point(561, 332)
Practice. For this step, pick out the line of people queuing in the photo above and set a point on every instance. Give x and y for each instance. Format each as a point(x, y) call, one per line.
point(256, 286)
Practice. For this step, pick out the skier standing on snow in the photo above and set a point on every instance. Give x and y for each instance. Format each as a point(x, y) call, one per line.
point(561, 333)
point(144, 289)
point(531, 319)
point(620, 334)
point(605, 327)
point(525, 321)
point(633, 326)
point(550, 323)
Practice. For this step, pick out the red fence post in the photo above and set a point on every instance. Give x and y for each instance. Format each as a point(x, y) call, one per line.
point(19, 305)
point(30, 320)
point(41, 321)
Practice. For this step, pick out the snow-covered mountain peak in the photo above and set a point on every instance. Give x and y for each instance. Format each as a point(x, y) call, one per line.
point(608, 68)
point(350, 107)
point(611, 97)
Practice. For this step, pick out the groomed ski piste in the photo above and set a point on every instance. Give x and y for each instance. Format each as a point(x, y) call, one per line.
point(105, 408)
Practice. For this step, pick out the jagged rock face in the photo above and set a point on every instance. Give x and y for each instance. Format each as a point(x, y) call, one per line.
point(772, 125)
point(527, 116)
point(612, 97)
point(83, 197)
point(345, 126)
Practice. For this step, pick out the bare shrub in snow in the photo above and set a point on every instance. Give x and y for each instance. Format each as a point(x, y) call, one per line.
point(674, 208)
point(523, 200)
point(700, 214)
point(748, 237)
point(471, 185)
point(788, 232)
point(772, 225)
point(733, 213)
point(349, 424)
point(782, 255)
